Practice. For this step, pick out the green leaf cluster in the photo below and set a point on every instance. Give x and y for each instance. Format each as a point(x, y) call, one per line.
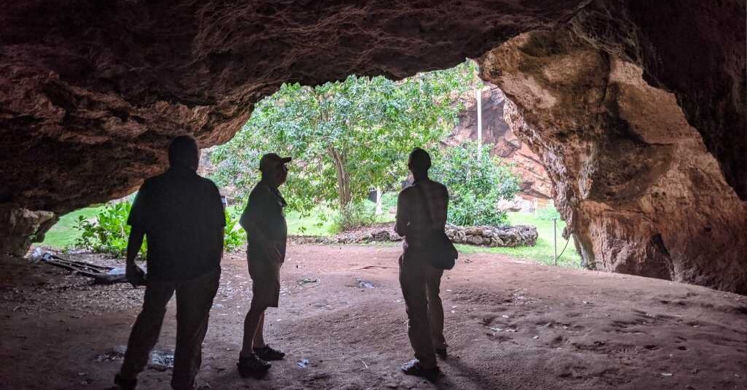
point(346, 137)
point(475, 184)
point(109, 232)
point(234, 237)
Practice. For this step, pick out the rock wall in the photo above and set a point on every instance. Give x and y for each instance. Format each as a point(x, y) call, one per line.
point(633, 180)
point(500, 140)
point(20, 227)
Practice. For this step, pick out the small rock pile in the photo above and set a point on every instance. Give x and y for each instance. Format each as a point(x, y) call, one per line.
point(489, 236)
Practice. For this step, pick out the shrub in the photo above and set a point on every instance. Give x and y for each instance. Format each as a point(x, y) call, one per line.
point(109, 233)
point(475, 185)
point(355, 215)
point(548, 214)
point(234, 237)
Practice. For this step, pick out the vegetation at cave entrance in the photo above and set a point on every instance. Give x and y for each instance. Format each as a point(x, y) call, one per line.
point(476, 183)
point(346, 137)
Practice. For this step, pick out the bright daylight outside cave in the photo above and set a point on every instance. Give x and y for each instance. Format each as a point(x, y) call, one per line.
point(479, 195)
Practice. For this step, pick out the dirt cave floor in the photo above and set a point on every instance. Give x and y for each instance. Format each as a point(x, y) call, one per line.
point(510, 325)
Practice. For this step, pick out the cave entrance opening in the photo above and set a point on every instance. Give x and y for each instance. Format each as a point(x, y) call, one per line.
point(350, 140)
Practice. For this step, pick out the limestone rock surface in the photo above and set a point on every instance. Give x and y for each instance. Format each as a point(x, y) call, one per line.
point(633, 178)
point(20, 227)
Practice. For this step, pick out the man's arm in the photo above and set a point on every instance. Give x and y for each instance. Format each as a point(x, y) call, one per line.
point(137, 221)
point(403, 218)
point(133, 244)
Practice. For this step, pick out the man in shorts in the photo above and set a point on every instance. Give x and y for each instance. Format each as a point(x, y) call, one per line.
point(267, 232)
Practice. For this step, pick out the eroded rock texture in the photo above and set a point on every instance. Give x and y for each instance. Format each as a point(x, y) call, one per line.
point(92, 91)
point(633, 179)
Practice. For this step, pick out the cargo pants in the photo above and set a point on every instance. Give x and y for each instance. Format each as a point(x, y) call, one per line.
point(194, 298)
point(421, 284)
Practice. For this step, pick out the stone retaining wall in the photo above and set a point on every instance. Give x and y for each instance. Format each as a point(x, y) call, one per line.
point(489, 236)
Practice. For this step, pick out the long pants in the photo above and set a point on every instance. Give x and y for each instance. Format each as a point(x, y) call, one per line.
point(421, 285)
point(194, 298)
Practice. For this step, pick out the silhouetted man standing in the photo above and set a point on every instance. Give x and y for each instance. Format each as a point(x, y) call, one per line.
point(421, 214)
point(267, 232)
point(181, 214)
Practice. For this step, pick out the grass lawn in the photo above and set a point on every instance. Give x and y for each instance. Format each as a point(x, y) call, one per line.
point(322, 223)
point(63, 234)
point(543, 251)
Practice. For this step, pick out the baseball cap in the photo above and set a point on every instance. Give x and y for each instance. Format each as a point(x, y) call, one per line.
point(271, 160)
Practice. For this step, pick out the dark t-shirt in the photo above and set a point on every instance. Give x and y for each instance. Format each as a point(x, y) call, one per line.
point(265, 210)
point(182, 216)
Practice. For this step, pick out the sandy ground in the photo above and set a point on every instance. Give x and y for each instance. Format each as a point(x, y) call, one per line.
point(510, 325)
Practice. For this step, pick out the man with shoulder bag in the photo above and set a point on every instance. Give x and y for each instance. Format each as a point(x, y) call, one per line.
point(421, 217)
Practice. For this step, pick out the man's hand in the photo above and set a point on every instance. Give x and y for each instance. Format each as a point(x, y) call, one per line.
point(135, 275)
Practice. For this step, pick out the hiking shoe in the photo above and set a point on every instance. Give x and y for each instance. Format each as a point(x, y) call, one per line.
point(125, 384)
point(441, 352)
point(414, 368)
point(269, 354)
point(252, 365)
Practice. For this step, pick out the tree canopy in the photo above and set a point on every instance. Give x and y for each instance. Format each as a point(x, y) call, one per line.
point(346, 137)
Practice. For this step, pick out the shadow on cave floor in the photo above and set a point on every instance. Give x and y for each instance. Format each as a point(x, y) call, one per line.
point(510, 325)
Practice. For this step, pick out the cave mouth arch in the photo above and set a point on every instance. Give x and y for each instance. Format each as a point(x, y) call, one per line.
point(92, 93)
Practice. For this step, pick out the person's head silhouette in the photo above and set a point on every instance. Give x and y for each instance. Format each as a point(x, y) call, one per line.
point(184, 152)
point(273, 168)
point(419, 162)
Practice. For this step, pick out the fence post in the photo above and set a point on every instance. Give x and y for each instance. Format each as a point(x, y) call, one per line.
point(555, 241)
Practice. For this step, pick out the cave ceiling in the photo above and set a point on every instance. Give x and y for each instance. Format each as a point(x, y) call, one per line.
point(92, 91)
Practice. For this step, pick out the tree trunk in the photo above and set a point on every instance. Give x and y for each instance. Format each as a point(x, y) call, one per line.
point(343, 180)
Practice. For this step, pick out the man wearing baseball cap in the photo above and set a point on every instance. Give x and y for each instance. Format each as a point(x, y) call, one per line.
point(267, 232)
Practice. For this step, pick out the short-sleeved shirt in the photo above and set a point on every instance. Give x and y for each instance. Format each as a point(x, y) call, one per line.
point(413, 212)
point(265, 210)
point(182, 216)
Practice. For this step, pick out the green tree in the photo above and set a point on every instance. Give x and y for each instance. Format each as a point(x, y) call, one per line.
point(347, 136)
point(475, 184)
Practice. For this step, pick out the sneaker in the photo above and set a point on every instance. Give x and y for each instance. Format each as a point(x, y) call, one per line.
point(252, 365)
point(441, 352)
point(125, 384)
point(269, 354)
point(414, 368)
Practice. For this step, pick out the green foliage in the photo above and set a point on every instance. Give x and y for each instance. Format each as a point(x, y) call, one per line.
point(355, 215)
point(548, 214)
point(234, 237)
point(63, 234)
point(475, 184)
point(345, 137)
point(109, 233)
point(388, 201)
